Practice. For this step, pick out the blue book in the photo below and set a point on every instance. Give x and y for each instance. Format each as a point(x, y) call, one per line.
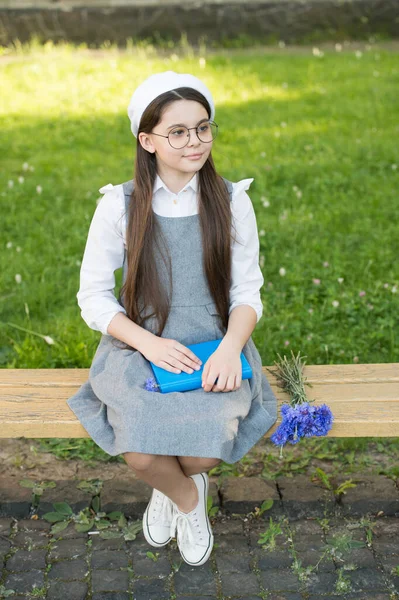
point(182, 382)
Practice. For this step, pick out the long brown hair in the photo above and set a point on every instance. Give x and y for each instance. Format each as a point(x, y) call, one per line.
point(142, 287)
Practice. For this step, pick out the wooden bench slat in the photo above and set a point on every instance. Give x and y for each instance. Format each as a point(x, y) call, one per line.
point(363, 398)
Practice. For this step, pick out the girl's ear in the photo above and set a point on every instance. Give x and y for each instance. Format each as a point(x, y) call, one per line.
point(146, 142)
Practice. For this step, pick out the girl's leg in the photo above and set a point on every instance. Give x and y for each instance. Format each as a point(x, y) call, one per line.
point(170, 475)
point(165, 474)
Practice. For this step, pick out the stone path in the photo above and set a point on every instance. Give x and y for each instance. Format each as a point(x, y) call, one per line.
point(78, 566)
point(314, 544)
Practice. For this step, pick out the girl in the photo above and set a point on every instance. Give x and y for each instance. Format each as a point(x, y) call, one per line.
point(186, 279)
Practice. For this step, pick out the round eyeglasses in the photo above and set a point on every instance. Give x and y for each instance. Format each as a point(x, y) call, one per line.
point(179, 137)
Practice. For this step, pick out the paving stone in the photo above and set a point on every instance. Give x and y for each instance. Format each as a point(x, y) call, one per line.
point(72, 548)
point(5, 546)
point(15, 500)
point(279, 580)
point(65, 491)
point(303, 498)
point(290, 596)
point(371, 495)
point(69, 570)
point(228, 526)
point(389, 563)
point(239, 583)
point(386, 546)
point(189, 580)
point(312, 558)
point(309, 543)
point(31, 539)
point(243, 494)
point(275, 559)
point(25, 560)
point(109, 581)
point(146, 566)
point(130, 496)
point(367, 579)
point(34, 525)
point(320, 583)
point(231, 543)
point(5, 525)
point(112, 544)
point(24, 582)
point(112, 596)
point(71, 533)
point(306, 527)
point(361, 557)
point(73, 590)
point(386, 527)
point(109, 559)
point(151, 589)
point(233, 563)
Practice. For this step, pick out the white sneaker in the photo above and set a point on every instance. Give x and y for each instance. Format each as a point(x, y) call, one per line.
point(194, 532)
point(157, 519)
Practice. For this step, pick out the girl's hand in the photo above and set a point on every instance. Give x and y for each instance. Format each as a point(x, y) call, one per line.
point(225, 365)
point(171, 355)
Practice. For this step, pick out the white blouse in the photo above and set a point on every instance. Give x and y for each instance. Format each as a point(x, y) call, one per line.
point(106, 242)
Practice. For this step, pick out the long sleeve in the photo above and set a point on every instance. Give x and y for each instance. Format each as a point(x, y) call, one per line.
point(103, 254)
point(247, 278)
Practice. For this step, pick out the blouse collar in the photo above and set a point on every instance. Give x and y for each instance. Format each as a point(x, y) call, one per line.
point(193, 183)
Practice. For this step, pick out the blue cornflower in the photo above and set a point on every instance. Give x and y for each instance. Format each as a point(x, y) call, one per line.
point(151, 385)
point(300, 421)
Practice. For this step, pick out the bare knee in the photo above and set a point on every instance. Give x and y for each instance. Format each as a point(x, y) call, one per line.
point(139, 461)
point(193, 464)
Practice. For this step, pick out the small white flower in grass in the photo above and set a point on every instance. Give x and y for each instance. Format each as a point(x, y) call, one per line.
point(283, 215)
point(317, 52)
point(342, 351)
point(338, 47)
point(262, 261)
point(335, 303)
point(265, 202)
point(370, 306)
point(281, 44)
point(9, 245)
point(21, 179)
point(202, 62)
point(358, 54)
point(174, 57)
point(282, 271)
point(18, 278)
point(263, 154)
point(31, 168)
point(286, 343)
point(394, 289)
point(309, 337)
point(26, 309)
point(269, 284)
point(295, 188)
point(298, 194)
point(316, 281)
point(386, 285)
point(283, 124)
point(10, 183)
point(18, 248)
point(277, 134)
point(48, 339)
point(394, 167)
point(25, 166)
point(39, 189)
point(284, 85)
point(355, 359)
point(262, 232)
point(78, 263)
point(326, 264)
point(282, 326)
point(340, 279)
point(310, 311)
point(362, 293)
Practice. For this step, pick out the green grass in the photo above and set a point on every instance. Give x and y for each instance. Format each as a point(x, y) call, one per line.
point(317, 133)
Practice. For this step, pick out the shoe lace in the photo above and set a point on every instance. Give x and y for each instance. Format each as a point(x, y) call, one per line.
point(188, 527)
point(162, 507)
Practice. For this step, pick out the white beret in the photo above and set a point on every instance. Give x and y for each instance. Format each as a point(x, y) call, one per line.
point(160, 83)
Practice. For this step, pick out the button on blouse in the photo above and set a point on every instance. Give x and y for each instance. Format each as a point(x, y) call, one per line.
point(106, 243)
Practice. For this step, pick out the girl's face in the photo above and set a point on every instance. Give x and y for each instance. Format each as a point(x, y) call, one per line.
point(180, 112)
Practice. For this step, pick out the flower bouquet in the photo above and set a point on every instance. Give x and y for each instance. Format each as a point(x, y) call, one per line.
point(299, 418)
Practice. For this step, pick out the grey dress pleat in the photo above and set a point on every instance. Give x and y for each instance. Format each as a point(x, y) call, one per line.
point(120, 415)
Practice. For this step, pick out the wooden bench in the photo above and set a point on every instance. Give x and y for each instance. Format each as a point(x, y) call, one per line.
point(364, 400)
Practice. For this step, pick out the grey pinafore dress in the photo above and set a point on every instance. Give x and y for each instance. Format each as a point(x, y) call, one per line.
point(120, 415)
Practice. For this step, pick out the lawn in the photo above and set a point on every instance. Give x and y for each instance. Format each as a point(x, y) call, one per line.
point(316, 129)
